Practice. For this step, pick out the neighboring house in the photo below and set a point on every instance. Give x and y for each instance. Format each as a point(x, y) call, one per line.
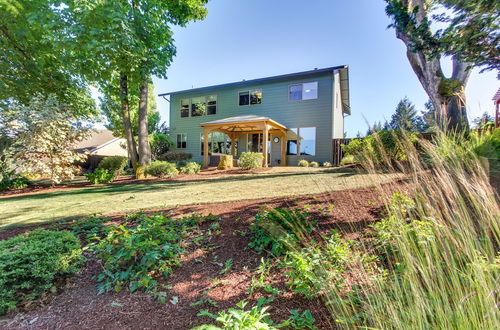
point(103, 143)
point(287, 117)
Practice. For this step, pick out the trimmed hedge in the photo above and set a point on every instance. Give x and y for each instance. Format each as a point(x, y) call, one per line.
point(161, 169)
point(31, 263)
point(175, 156)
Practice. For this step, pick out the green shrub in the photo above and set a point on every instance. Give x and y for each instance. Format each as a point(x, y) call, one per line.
point(191, 168)
point(162, 169)
point(11, 180)
point(114, 164)
point(256, 318)
point(100, 175)
point(327, 164)
point(31, 263)
point(273, 230)
point(303, 163)
point(348, 160)
point(313, 164)
point(250, 160)
point(175, 156)
point(132, 256)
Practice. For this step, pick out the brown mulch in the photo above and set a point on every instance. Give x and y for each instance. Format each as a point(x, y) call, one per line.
point(211, 172)
point(78, 306)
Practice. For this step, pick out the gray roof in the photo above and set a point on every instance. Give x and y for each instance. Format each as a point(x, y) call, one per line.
point(260, 80)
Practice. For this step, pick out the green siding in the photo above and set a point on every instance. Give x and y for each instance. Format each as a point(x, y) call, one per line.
point(275, 105)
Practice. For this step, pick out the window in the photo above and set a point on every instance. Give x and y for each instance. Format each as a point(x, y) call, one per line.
point(307, 141)
point(181, 141)
point(217, 143)
point(211, 105)
point(305, 91)
point(199, 106)
point(185, 108)
point(250, 97)
point(301, 141)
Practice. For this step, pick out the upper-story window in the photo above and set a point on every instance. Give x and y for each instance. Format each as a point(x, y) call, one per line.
point(199, 106)
point(305, 91)
point(250, 97)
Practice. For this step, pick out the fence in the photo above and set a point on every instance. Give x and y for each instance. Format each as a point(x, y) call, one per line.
point(338, 153)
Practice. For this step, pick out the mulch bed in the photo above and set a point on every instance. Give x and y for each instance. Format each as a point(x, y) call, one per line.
point(126, 180)
point(78, 306)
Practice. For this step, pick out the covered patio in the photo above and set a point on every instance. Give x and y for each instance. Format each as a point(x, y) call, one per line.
point(234, 127)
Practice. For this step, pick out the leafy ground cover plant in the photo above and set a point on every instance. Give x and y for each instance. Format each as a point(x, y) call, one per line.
point(31, 263)
point(100, 175)
point(326, 164)
point(303, 163)
point(114, 164)
point(162, 169)
point(191, 168)
point(132, 257)
point(273, 229)
point(256, 318)
point(250, 160)
point(90, 228)
point(10, 180)
point(313, 164)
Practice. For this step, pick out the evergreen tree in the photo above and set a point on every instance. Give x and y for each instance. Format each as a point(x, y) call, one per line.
point(405, 117)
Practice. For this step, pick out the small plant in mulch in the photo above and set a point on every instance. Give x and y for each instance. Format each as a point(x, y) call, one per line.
point(273, 229)
point(256, 317)
point(132, 257)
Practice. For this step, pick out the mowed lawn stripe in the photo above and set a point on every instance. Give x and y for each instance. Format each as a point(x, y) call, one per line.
point(110, 199)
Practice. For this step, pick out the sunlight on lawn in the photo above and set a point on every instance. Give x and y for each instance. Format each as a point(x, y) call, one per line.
point(110, 199)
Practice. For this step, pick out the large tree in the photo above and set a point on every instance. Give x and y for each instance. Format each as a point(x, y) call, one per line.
point(126, 43)
point(36, 57)
point(412, 22)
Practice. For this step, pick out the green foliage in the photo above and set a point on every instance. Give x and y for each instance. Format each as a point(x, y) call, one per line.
point(175, 156)
point(162, 169)
point(133, 256)
point(379, 147)
point(10, 180)
point(326, 164)
point(160, 144)
point(406, 118)
point(260, 282)
point(250, 160)
point(239, 319)
point(315, 269)
point(100, 175)
point(191, 168)
point(303, 163)
point(313, 164)
point(90, 228)
point(348, 160)
point(114, 164)
point(275, 229)
point(256, 318)
point(31, 263)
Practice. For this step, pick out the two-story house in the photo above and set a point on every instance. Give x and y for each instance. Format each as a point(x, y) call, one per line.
point(287, 118)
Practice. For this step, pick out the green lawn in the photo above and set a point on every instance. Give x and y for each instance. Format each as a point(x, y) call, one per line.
point(110, 199)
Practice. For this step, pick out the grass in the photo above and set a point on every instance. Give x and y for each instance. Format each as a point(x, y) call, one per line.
point(109, 199)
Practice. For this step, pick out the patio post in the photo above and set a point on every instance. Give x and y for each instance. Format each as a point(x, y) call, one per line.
point(205, 146)
point(233, 145)
point(283, 149)
point(265, 134)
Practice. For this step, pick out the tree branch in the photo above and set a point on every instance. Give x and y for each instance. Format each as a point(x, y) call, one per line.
point(461, 70)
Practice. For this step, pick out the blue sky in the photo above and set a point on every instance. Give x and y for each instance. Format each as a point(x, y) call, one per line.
point(246, 39)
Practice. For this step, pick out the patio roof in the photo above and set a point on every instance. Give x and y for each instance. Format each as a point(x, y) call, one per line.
point(243, 124)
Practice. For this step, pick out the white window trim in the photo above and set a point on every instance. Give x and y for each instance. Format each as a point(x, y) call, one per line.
point(302, 84)
point(249, 91)
point(177, 140)
point(206, 102)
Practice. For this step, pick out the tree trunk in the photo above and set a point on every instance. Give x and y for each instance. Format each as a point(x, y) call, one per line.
point(450, 106)
point(144, 148)
point(127, 125)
